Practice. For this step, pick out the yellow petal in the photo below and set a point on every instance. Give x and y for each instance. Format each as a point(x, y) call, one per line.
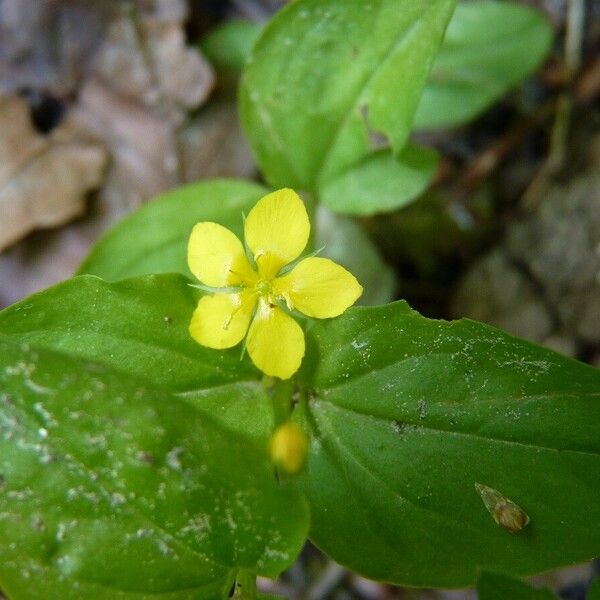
point(288, 447)
point(221, 321)
point(319, 288)
point(275, 342)
point(217, 258)
point(277, 230)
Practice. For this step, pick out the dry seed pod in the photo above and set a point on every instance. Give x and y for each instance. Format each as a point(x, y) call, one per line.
point(503, 510)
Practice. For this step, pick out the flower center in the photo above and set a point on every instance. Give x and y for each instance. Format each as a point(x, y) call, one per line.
point(271, 295)
point(263, 288)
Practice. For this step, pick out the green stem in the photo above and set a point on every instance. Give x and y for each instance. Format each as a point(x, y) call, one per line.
point(281, 396)
point(245, 586)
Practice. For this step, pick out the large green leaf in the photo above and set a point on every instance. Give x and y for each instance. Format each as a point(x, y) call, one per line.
point(114, 489)
point(488, 49)
point(491, 586)
point(407, 414)
point(139, 327)
point(154, 238)
point(594, 590)
point(327, 79)
point(381, 182)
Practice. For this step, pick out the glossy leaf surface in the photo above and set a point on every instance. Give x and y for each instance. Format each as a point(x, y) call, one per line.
point(325, 78)
point(488, 49)
point(491, 586)
point(594, 590)
point(139, 327)
point(381, 182)
point(112, 488)
point(407, 414)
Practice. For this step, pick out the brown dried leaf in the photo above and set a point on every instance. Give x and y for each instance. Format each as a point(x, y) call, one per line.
point(135, 98)
point(43, 180)
point(183, 75)
point(142, 144)
point(213, 144)
point(145, 58)
point(144, 80)
point(47, 44)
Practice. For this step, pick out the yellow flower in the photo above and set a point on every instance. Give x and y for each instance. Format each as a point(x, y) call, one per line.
point(288, 447)
point(249, 295)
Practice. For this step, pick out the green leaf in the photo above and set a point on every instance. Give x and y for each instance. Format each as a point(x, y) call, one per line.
point(381, 182)
point(407, 414)
point(594, 590)
point(114, 489)
point(326, 77)
point(346, 243)
point(154, 238)
point(489, 48)
point(139, 327)
point(228, 46)
point(492, 586)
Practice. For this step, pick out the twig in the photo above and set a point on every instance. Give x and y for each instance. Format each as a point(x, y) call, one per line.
point(487, 161)
point(574, 35)
point(587, 87)
point(564, 107)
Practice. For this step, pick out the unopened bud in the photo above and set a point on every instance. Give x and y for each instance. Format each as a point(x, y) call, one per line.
point(288, 447)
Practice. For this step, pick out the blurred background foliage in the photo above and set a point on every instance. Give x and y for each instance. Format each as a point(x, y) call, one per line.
point(104, 105)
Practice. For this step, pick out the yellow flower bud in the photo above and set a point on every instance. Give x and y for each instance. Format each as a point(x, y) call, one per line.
point(288, 447)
